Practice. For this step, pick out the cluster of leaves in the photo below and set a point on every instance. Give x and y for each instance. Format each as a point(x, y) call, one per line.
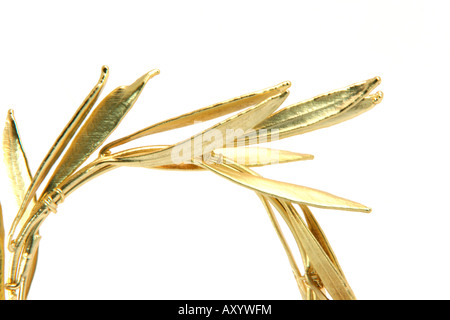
point(322, 277)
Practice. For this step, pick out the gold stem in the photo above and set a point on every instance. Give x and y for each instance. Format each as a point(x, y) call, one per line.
point(40, 212)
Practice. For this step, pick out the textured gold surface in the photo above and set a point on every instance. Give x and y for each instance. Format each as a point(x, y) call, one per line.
point(204, 114)
point(320, 277)
point(283, 190)
point(100, 124)
point(244, 120)
point(20, 178)
point(323, 111)
point(59, 146)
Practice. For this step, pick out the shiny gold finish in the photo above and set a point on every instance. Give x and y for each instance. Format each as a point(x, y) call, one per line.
point(102, 122)
point(322, 111)
point(283, 190)
point(309, 249)
point(208, 113)
point(258, 156)
point(223, 149)
point(20, 178)
point(59, 146)
point(245, 120)
point(249, 156)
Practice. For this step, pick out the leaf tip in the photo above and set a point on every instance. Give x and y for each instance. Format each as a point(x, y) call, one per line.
point(363, 209)
point(283, 95)
point(284, 86)
point(373, 83)
point(142, 81)
point(10, 114)
point(104, 74)
point(377, 97)
point(151, 74)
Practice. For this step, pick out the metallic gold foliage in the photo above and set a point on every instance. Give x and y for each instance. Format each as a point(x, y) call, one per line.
point(228, 155)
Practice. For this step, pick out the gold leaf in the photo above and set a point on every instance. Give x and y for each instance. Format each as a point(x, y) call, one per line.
point(208, 113)
point(15, 159)
point(258, 156)
point(19, 176)
point(59, 145)
point(241, 122)
point(317, 232)
point(334, 282)
point(321, 111)
point(349, 113)
point(312, 253)
point(284, 190)
point(250, 156)
point(100, 124)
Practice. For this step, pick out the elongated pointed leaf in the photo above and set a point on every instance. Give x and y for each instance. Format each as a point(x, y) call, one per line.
point(285, 244)
point(319, 112)
point(316, 285)
point(321, 107)
point(198, 144)
point(208, 113)
point(19, 175)
point(17, 166)
point(334, 280)
point(240, 124)
point(258, 156)
point(314, 254)
point(15, 159)
point(349, 113)
point(249, 156)
point(60, 144)
point(284, 190)
point(100, 124)
point(331, 277)
point(318, 233)
point(363, 106)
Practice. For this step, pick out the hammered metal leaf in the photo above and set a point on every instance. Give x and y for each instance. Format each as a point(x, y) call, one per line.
point(100, 124)
point(19, 175)
point(241, 122)
point(284, 190)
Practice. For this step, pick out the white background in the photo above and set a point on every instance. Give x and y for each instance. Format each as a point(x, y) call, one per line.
point(144, 234)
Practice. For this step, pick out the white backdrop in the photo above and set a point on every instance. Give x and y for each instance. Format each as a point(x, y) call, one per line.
point(144, 234)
